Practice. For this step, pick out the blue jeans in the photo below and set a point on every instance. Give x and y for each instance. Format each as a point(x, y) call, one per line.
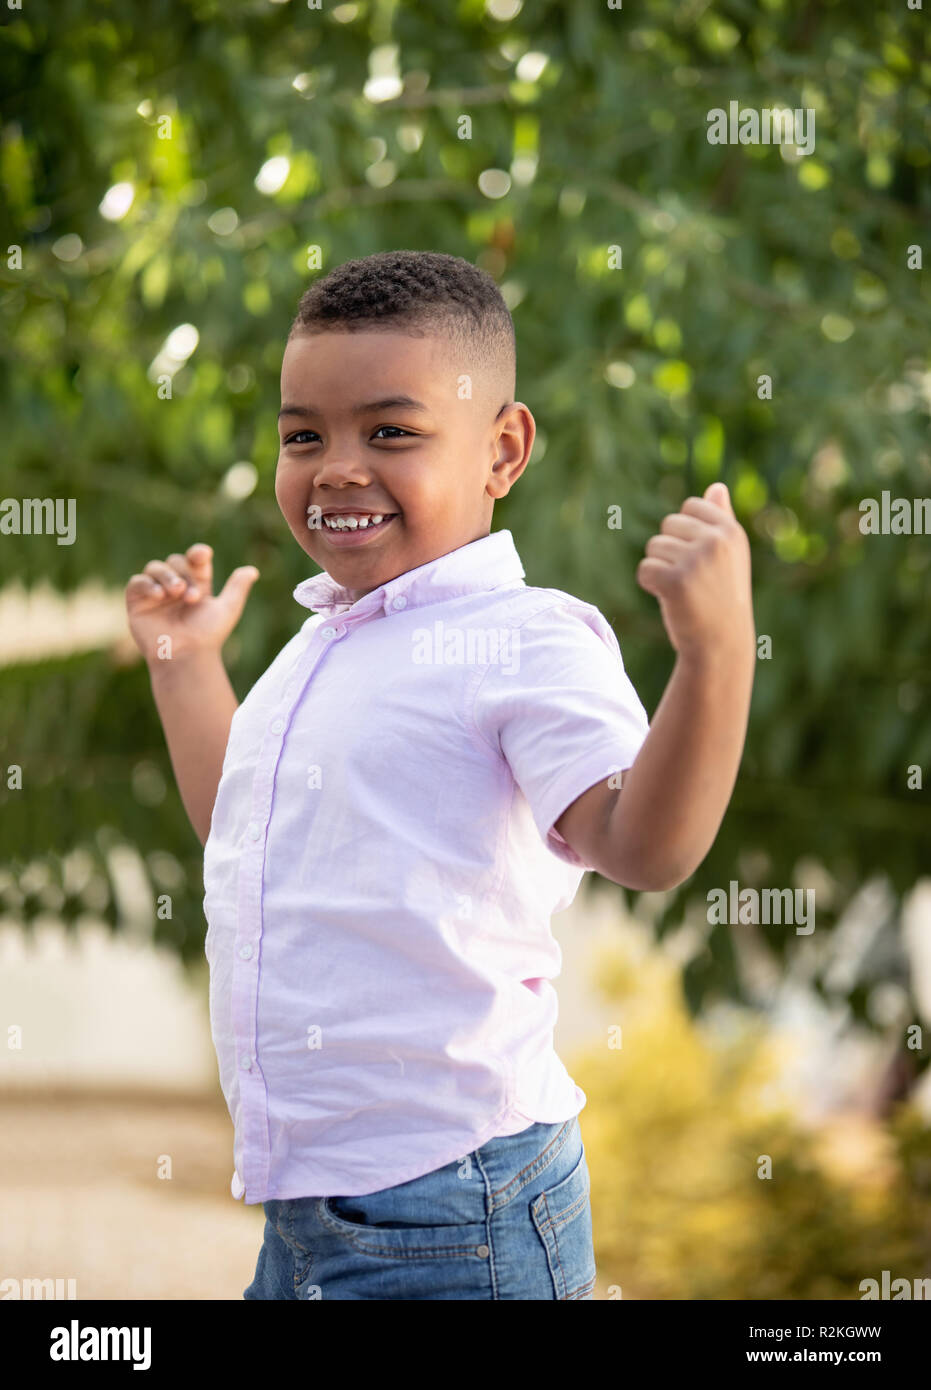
point(510, 1220)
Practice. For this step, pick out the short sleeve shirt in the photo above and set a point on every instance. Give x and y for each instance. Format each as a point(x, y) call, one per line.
point(382, 869)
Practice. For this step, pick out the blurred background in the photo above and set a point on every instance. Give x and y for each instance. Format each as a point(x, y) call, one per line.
point(174, 175)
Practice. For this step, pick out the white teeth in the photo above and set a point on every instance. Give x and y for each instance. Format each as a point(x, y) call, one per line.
point(350, 523)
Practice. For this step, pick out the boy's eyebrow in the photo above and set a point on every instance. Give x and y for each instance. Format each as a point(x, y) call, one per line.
point(388, 403)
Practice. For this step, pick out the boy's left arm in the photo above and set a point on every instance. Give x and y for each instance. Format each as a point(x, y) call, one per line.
point(654, 831)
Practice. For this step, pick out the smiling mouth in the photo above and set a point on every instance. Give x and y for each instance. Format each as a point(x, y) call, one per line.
point(342, 532)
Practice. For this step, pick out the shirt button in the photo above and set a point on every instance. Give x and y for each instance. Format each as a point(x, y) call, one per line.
point(245, 1061)
point(277, 726)
point(482, 1251)
point(245, 952)
point(254, 831)
point(399, 602)
point(328, 632)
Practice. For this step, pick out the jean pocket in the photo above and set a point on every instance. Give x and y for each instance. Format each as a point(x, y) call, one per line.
point(562, 1216)
point(374, 1228)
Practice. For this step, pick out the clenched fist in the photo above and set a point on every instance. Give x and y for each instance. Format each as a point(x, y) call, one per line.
point(698, 567)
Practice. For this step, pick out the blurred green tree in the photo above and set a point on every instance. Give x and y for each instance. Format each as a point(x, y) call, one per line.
point(171, 172)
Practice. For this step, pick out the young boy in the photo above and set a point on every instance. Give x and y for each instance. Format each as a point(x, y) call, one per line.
point(412, 788)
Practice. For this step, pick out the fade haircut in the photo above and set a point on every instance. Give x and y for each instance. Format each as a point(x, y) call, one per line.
point(421, 293)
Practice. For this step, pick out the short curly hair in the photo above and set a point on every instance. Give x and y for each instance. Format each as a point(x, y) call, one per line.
point(421, 292)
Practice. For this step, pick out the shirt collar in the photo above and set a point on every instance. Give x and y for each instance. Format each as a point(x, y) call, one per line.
point(483, 564)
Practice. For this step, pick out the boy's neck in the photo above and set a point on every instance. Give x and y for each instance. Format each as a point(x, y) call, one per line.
point(356, 594)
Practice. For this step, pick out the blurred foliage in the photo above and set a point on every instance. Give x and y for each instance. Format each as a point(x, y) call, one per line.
point(677, 1122)
point(736, 261)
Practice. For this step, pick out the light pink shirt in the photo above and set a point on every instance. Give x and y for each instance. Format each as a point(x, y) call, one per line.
point(381, 871)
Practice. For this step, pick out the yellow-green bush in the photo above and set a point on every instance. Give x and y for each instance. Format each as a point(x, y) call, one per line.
point(675, 1129)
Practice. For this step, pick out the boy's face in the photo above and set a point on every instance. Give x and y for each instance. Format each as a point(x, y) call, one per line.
point(434, 469)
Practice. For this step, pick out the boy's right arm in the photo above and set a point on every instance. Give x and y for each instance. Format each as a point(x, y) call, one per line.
point(196, 704)
point(180, 627)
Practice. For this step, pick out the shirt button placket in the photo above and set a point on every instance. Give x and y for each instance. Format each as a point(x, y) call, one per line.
point(253, 1096)
point(246, 976)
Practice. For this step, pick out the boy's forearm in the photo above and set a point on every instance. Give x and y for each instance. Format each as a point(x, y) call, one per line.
point(674, 797)
point(196, 704)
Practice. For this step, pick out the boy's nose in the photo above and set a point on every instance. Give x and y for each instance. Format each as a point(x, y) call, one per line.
point(342, 467)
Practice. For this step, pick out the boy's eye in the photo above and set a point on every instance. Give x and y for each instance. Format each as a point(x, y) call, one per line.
point(294, 438)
